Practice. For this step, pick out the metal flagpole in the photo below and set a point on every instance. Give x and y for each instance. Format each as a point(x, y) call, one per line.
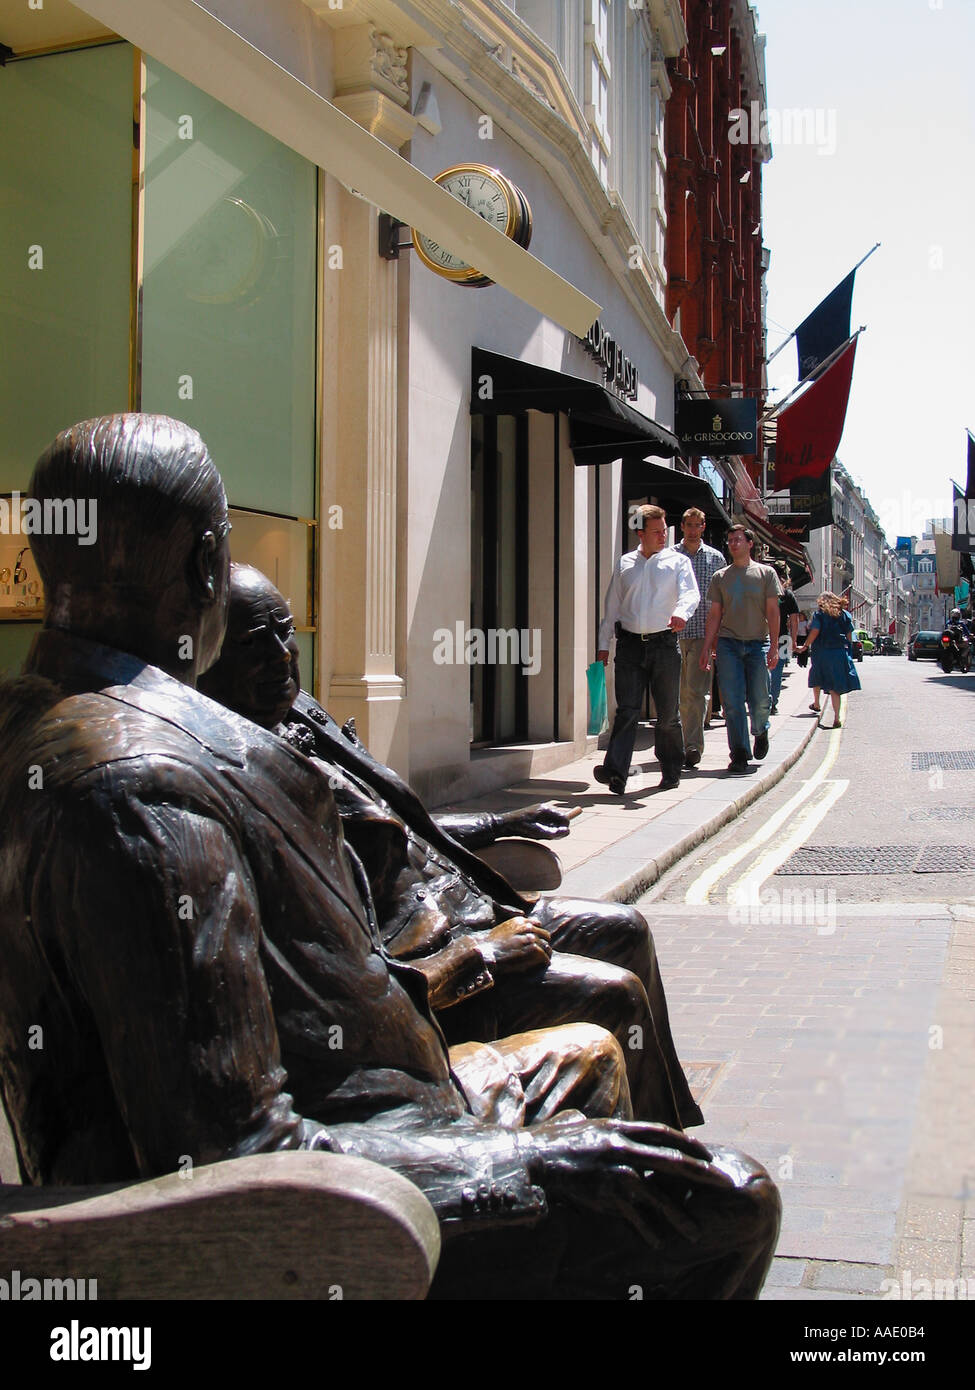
point(796, 330)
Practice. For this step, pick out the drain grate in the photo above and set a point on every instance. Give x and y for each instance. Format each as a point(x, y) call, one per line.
point(951, 760)
point(834, 860)
point(946, 859)
point(851, 859)
point(950, 813)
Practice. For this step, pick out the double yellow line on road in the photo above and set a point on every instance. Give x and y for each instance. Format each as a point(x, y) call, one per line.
point(700, 890)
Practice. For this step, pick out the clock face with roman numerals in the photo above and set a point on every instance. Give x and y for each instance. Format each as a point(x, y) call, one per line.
point(492, 196)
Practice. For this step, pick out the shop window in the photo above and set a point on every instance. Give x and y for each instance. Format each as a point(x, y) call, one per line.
point(229, 292)
point(65, 247)
point(499, 574)
point(65, 238)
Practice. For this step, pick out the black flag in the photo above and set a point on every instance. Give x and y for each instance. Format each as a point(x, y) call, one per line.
point(963, 531)
point(826, 328)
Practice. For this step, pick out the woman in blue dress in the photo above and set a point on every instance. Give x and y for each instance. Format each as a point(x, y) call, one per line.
point(831, 664)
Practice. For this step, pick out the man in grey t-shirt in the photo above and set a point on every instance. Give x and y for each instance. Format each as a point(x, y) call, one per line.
point(743, 626)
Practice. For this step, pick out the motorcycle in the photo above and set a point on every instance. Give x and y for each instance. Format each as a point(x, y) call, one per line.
point(956, 651)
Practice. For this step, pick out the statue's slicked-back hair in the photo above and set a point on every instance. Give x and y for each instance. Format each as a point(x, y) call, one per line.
point(156, 490)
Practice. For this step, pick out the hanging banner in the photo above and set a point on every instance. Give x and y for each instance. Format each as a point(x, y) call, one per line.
point(963, 531)
point(717, 427)
point(809, 430)
point(815, 497)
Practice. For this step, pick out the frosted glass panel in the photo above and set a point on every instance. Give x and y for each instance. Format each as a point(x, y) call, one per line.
point(229, 293)
point(65, 247)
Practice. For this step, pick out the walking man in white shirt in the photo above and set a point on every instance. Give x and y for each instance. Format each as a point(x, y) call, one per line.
point(695, 684)
point(652, 594)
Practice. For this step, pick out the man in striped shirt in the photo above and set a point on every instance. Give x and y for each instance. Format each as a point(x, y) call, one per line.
point(695, 684)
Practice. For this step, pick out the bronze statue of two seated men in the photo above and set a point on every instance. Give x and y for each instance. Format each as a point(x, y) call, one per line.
point(181, 914)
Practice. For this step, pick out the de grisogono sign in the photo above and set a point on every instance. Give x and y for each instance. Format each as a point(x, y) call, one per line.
point(717, 427)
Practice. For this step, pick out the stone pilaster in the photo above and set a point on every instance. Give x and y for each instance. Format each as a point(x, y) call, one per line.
point(370, 86)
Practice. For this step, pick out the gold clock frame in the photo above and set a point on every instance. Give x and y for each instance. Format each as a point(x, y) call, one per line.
point(518, 226)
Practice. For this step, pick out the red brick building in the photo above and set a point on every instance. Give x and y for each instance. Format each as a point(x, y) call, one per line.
point(714, 256)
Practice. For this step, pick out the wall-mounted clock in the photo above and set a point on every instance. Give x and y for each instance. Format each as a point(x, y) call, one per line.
point(492, 196)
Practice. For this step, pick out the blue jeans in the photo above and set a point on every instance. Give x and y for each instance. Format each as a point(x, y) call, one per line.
point(744, 678)
point(776, 681)
point(637, 662)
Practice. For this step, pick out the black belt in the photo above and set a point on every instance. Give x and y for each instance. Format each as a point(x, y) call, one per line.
point(644, 636)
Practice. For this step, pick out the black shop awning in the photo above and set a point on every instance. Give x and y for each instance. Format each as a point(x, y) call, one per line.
point(675, 491)
point(601, 426)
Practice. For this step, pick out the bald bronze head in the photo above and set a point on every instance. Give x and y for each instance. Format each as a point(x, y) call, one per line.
point(153, 579)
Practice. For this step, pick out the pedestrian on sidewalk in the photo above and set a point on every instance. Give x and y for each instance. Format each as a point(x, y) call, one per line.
point(743, 626)
point(695, 684)
point(788, 629)
point(831, 665)
point(652, 594)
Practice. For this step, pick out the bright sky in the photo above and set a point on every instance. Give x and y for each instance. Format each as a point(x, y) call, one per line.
point(893, 160)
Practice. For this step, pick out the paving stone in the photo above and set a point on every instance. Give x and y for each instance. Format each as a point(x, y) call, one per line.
point(931, 1218)
point(930, 1259)
point(825, 1246)
point(839, 1275)
point(785, 1273)
point(802, 1295)
point(862, 1223)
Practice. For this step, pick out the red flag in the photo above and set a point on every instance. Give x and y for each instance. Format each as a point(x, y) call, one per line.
point(809, 431)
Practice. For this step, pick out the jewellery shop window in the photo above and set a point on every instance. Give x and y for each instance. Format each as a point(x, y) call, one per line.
point(229, 292)
point(21, 591)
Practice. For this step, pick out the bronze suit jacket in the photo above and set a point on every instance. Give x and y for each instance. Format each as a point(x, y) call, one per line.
point(185, 942)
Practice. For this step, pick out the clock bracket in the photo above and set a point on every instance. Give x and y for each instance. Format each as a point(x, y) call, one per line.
point(389, 243)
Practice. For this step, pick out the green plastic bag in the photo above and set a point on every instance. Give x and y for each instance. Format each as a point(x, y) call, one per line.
point(598, 716)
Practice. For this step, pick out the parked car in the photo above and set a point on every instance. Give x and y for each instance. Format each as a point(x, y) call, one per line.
point(867, 645)
point(924, 645)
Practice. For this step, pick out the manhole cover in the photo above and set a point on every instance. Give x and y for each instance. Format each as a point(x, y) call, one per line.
point(851, 859)
point(949, 813)
point(946, 859)
point(951, 760)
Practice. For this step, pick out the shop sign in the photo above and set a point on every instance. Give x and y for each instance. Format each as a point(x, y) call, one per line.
point(717, 427)
point(794, 524)
point(618, 370)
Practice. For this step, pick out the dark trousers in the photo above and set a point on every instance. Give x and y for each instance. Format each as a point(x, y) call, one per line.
point(657, 661)
point(603, 970)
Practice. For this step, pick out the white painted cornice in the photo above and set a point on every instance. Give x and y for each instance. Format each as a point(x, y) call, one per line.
point(486, 52)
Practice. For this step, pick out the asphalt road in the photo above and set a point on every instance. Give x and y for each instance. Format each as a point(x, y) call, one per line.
point(887, 785)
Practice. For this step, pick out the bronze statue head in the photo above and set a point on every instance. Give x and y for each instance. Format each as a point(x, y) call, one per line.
point(151, 578)
point(257, 672)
